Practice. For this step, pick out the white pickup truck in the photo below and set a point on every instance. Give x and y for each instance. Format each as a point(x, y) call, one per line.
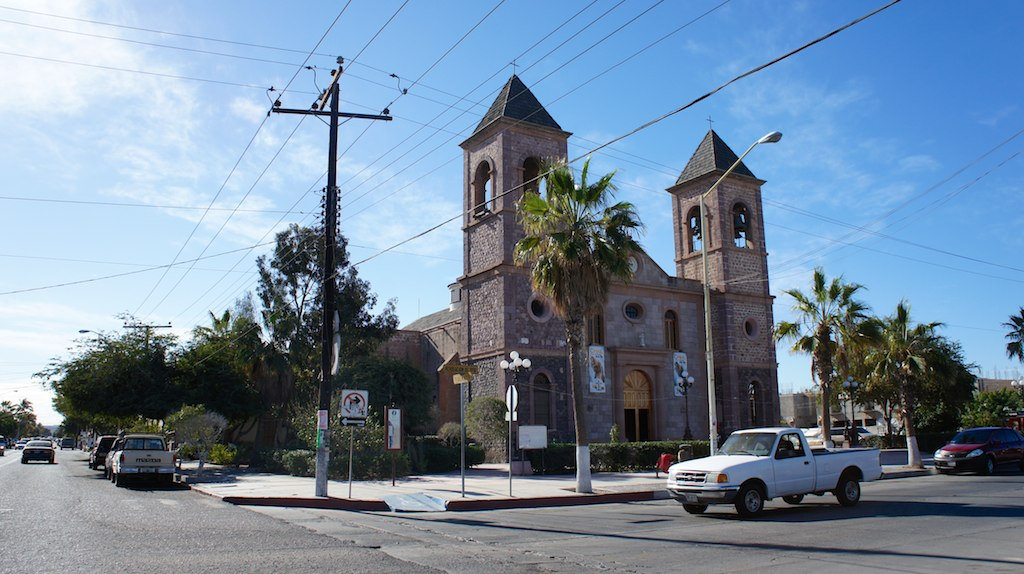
point(140, 456)
point(756, 465)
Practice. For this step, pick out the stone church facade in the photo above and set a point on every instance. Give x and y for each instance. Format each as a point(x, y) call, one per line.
point(651, 330)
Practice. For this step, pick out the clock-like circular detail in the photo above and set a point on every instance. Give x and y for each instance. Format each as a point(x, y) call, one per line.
point(633, 264)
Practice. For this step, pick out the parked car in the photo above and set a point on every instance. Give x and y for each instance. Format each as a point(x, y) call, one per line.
point(67, 442)
point(98, 454)
point(756, 465)
point(140, 456)
point(3, 447)
point(982, 450)
point(20, 444)
point(38, 450)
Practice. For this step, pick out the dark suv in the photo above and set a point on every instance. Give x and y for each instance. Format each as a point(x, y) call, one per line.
point(982, 450)
point(98, 455)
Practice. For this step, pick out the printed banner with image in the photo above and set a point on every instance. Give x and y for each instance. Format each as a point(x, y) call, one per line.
point(679, 373)
point(597, 373)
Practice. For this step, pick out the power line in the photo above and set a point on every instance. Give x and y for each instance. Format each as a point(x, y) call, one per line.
point(147, 205)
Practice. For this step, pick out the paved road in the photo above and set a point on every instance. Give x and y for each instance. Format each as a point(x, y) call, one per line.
point(927, 524)
point(66, 518)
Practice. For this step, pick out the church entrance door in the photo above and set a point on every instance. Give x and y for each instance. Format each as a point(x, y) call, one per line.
point(636, 395)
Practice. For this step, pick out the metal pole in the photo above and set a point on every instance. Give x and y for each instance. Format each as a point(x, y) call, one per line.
point(510, 412)
point(462, 428)
point(323, 443)
point(708, 342)
point(351, 441)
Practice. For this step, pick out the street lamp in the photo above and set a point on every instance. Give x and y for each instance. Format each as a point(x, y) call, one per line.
point(709, 348)
point(686, 382)
point(512, 399)
point(851, 385)
point(1018, 385)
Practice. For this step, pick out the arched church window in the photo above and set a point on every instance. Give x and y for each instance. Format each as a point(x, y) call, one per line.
point(540, 400)
point(754, 398)
point(531, 173)
point(741, 226)
point(595, 329)
point(671, 330)
point(482, 196)
point(694, 236)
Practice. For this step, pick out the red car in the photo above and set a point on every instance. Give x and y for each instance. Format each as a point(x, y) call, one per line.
point(981, 450)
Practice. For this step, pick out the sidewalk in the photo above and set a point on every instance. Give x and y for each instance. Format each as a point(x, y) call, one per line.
point(487, 488)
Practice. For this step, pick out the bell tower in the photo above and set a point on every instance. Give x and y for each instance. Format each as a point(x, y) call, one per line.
point(741, 305)
point(507, 152)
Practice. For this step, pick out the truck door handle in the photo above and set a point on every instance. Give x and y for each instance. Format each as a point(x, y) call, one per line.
point(807, 462)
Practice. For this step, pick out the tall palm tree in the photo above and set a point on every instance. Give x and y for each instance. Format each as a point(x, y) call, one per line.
point(1015, 348)
point(902, 356)
point(826, 311)
point(577, 242)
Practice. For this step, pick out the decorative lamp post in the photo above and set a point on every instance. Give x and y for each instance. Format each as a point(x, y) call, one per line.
point(1018, 385)
point(705, 244)
point(514, 366)
point(686, 383)
point(851, 385)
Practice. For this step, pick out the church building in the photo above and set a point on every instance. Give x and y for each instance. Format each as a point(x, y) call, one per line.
point(646, 351)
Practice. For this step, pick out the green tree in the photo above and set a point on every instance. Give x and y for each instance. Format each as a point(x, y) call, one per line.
point(902, 356)
point(1015, 348)
point(827, 311)
point(577, 242)
point(199, 428)
point(485, 423)
point(392, 382)
point(947, 387)
point(989, 408)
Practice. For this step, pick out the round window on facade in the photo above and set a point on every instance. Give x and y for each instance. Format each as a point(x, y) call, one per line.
point(539, 308)
point(633, 311)
point(751, 329)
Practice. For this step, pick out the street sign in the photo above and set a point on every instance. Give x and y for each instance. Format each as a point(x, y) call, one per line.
point(394, 436)
point(533, 437)
point(511, 399)
point(354, 404)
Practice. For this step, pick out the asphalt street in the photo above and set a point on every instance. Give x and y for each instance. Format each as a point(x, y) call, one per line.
point(65, 518)
point(927, 524)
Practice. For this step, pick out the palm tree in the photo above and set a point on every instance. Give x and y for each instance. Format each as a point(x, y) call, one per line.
point(902, 357)
point(1015, 348)
point(827, 311)
point(577, 242)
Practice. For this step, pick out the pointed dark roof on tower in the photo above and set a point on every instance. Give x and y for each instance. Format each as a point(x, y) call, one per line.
point(712, 155)
point(517, 102)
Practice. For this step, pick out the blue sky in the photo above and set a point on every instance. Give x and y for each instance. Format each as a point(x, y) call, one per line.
point(122, 121)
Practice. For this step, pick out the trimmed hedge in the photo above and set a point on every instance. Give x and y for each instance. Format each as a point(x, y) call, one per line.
point(431, 455)
point(610, 457)
point(422, 455)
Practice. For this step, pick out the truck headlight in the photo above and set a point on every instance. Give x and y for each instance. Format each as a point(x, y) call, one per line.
point(717, 477)
point(974, 453)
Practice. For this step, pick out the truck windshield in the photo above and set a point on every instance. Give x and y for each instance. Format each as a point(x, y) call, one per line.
point(757, 444)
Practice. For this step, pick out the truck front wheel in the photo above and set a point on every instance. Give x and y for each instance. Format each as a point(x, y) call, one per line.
point(848, 490)
point(749, 501)
point(695, 508)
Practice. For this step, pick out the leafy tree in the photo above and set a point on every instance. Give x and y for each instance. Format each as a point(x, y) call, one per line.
point(1015, 348)
point(485, 423)
point(392, 382)
point(946, 389)
point(199, 428)
point(577, 242)
point(989, 408)
point(289, 290)
point(902, 356)
point(827, 311)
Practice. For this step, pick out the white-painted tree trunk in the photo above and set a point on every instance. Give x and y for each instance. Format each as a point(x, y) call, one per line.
point(583, 484)
point(913, 453)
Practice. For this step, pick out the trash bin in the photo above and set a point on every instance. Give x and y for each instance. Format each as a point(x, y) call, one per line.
point(685, 452)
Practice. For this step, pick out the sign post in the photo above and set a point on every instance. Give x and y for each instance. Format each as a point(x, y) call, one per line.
point(462, 375)
point(511, 402)
point(394, 436)
point(354, 407)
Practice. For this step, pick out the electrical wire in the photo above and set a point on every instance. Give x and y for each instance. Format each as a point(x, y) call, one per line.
point(147, 205)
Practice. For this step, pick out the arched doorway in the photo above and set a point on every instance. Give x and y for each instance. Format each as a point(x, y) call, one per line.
point(636, 394)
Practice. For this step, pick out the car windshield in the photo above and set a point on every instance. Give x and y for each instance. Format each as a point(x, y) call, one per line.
point(971, 437)
point(45, 443)
point(757, 444)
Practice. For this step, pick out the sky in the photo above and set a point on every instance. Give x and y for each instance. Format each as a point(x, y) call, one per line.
point(142, 175)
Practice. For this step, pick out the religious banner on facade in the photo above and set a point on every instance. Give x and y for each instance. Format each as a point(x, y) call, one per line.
point(679, 374)
point(597, 373)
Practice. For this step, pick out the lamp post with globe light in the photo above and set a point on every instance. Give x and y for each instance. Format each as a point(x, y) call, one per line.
point(686, 381)
point(514, 366)
point(1018, 385)
point(851, 385)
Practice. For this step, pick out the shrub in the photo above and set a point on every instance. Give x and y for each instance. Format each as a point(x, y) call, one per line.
point(485, 422)
point(450, 433)
point(610, 457)
point(299, 462)
point(371, 459)
point(431, 455)
point(224, 454)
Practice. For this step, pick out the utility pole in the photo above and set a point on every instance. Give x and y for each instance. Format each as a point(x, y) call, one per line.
point(329, 349)
point(148, 328)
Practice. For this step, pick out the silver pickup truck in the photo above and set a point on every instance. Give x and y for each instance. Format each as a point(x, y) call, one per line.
point(757, 465)
point(142, 456)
